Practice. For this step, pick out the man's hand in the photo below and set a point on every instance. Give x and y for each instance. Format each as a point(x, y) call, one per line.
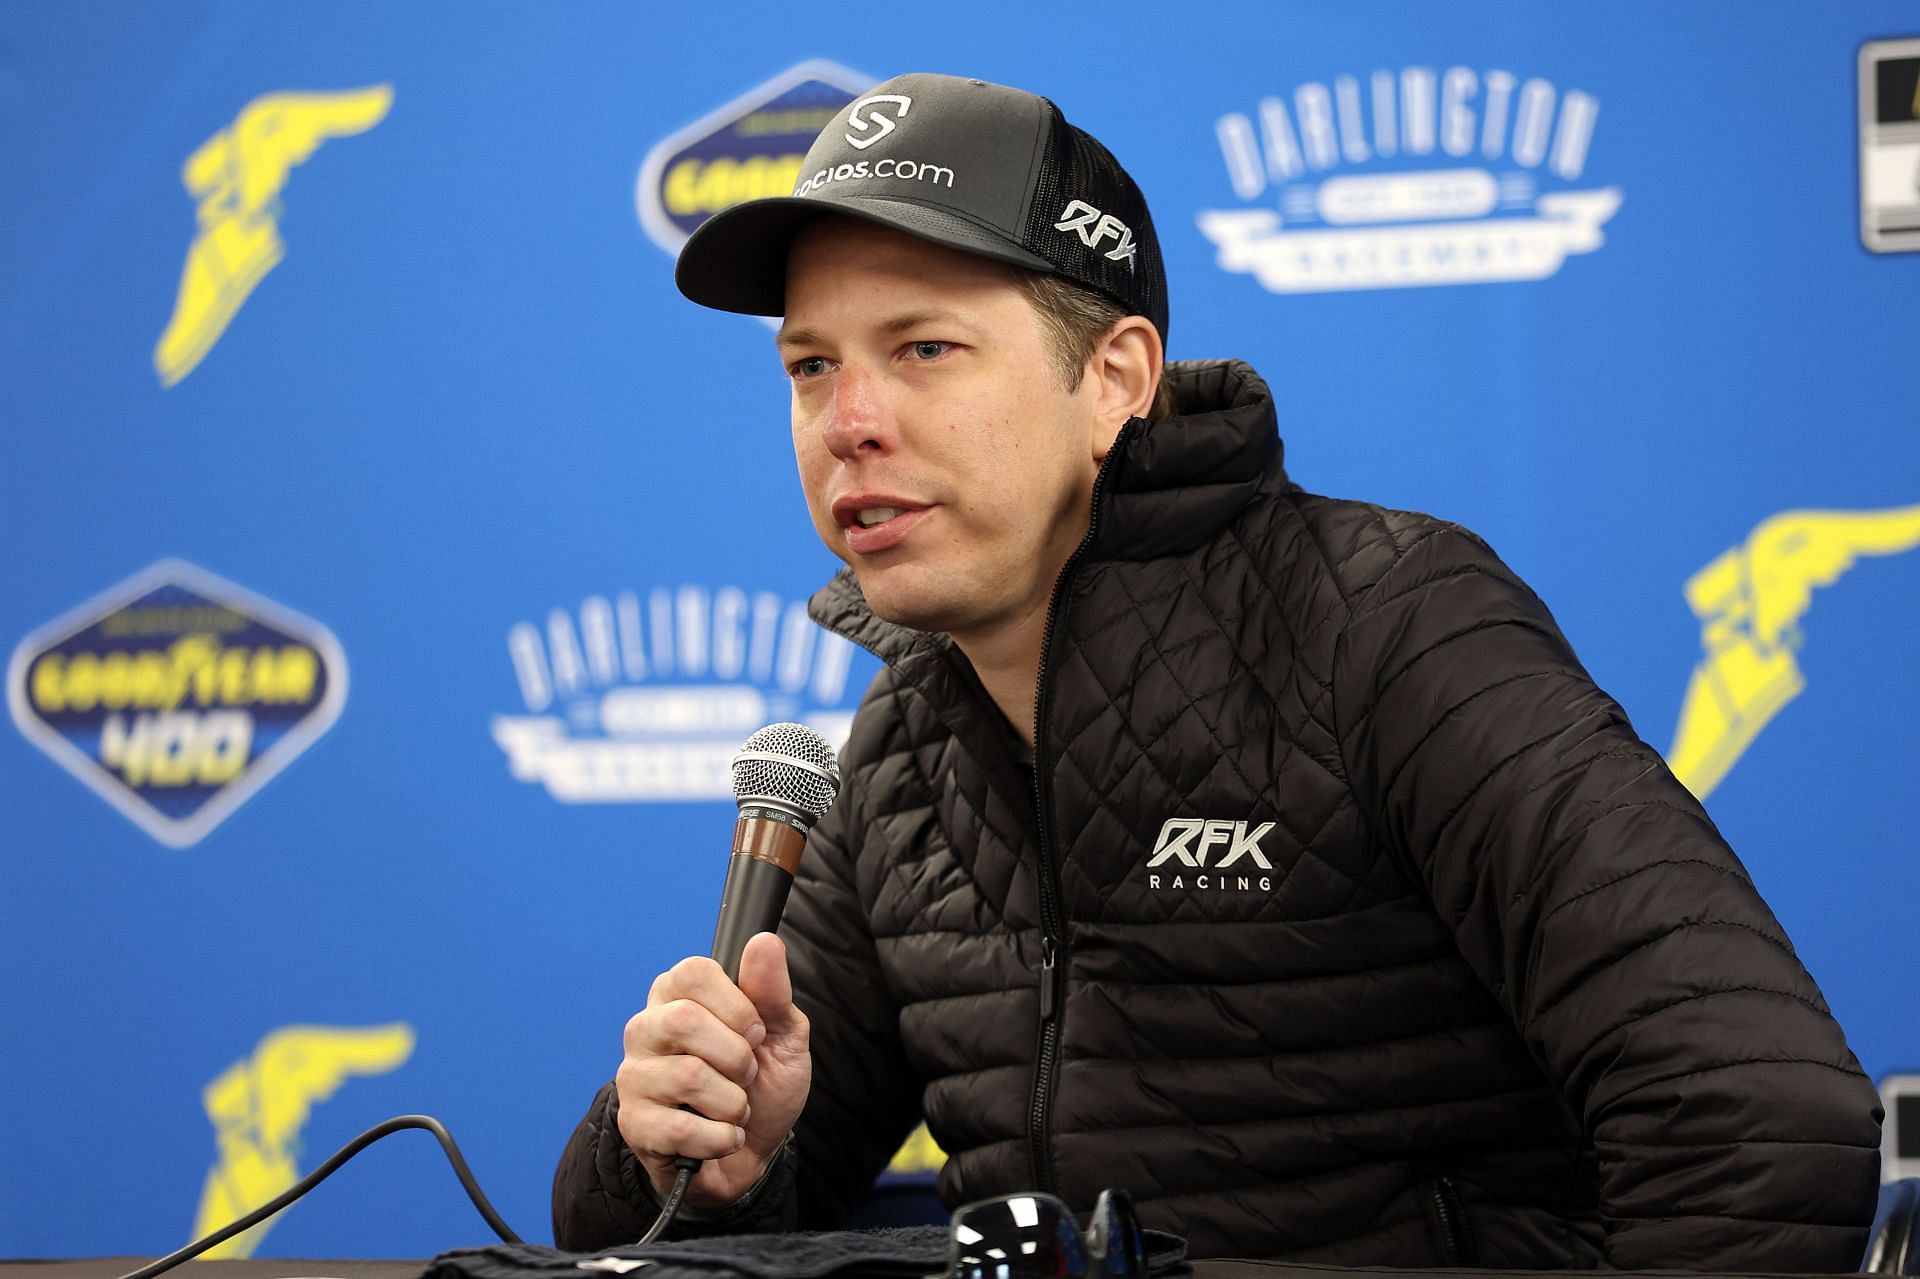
point(736, 1054)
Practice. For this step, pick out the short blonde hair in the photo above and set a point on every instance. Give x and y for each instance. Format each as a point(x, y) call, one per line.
point(1074, 318)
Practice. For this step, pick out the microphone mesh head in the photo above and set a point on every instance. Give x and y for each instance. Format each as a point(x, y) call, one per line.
point(789, 765)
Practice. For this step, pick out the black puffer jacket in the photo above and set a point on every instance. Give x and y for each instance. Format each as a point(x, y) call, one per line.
point(1356, 925)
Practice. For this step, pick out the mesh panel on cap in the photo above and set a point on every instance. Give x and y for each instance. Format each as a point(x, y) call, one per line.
point(1076, 166)
point(787, 764)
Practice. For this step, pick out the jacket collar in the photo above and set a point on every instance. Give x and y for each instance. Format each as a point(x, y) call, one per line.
point(1167, 487)
point(1172, 485)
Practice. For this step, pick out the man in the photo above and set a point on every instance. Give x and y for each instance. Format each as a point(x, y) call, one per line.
point(1267, 855)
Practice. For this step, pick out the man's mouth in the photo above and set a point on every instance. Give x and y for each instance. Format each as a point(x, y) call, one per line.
point(869, 510)
point(876, 522)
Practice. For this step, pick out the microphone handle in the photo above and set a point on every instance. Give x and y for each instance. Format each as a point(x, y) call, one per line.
point(766, 852)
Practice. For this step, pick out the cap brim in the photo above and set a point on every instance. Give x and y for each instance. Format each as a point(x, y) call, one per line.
point(737, 259)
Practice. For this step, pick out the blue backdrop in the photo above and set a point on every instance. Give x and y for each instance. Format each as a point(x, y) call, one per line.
point(394, 556)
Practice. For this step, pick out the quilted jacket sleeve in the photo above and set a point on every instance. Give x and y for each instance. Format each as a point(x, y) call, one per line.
point(863, 1102)
point(1589, 890)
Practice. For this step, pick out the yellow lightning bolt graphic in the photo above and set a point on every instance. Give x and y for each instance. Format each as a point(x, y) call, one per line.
point(258, 1107)
point(1750, 600)
point(237, 176)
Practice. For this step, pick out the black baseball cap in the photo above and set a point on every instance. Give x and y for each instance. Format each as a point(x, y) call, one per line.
point(971, 165)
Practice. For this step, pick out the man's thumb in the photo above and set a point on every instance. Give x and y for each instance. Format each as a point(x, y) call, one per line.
point(764, 979)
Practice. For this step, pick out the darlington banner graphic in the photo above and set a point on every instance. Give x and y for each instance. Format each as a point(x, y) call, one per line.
point(633, 704)
point(1458, 177)
point(396, 559)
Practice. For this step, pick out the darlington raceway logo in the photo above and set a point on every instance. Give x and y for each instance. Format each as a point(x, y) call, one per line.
point(1416, 179)
point(237, 176)
point(749, 148)
point(176, 695)
point(1750, 600)
point(631, 700)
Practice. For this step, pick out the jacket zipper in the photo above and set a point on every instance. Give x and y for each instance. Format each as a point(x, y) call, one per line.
point(1052, 930)
point(1456, 1232)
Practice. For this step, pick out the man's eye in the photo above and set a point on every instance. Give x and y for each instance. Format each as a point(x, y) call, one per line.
point(930, 350)
point(811, 367)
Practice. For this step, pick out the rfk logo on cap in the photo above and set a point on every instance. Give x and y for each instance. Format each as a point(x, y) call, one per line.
point(1093, 226)
point(883, 123)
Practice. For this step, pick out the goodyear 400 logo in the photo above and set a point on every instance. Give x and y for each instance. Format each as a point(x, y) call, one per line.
point(176, 695)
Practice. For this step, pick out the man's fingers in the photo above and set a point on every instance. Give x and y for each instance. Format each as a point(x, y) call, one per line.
point(704, 982)
point(765, 980)
point(686, 1028)
point(683, 1081)
point(693, 1077)
point(664, 1133)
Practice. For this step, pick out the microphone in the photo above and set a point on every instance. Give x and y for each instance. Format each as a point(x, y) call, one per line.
point(784, 779)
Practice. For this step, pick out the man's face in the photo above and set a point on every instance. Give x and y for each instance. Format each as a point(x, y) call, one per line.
point(941, 455)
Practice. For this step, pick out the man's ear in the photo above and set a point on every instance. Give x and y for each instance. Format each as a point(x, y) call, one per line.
point(1125, 371)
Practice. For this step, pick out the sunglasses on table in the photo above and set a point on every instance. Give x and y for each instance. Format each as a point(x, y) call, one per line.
point(1033, 1236)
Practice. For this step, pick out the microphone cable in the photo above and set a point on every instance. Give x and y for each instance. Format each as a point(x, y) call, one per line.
point(785, 777)
point(399, 1123)
point(326, 1170)
point(687, 1166)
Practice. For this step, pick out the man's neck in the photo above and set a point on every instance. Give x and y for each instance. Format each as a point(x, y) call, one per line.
point(1008, 664)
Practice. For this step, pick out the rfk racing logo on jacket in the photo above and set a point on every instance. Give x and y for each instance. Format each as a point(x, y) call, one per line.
point(1210, 853)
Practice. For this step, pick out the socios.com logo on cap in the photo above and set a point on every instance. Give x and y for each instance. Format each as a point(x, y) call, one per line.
point(176, 695)
point(750, 148)
point(875, 119)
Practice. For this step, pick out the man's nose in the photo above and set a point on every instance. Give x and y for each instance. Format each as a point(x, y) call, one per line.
point(859, 420)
